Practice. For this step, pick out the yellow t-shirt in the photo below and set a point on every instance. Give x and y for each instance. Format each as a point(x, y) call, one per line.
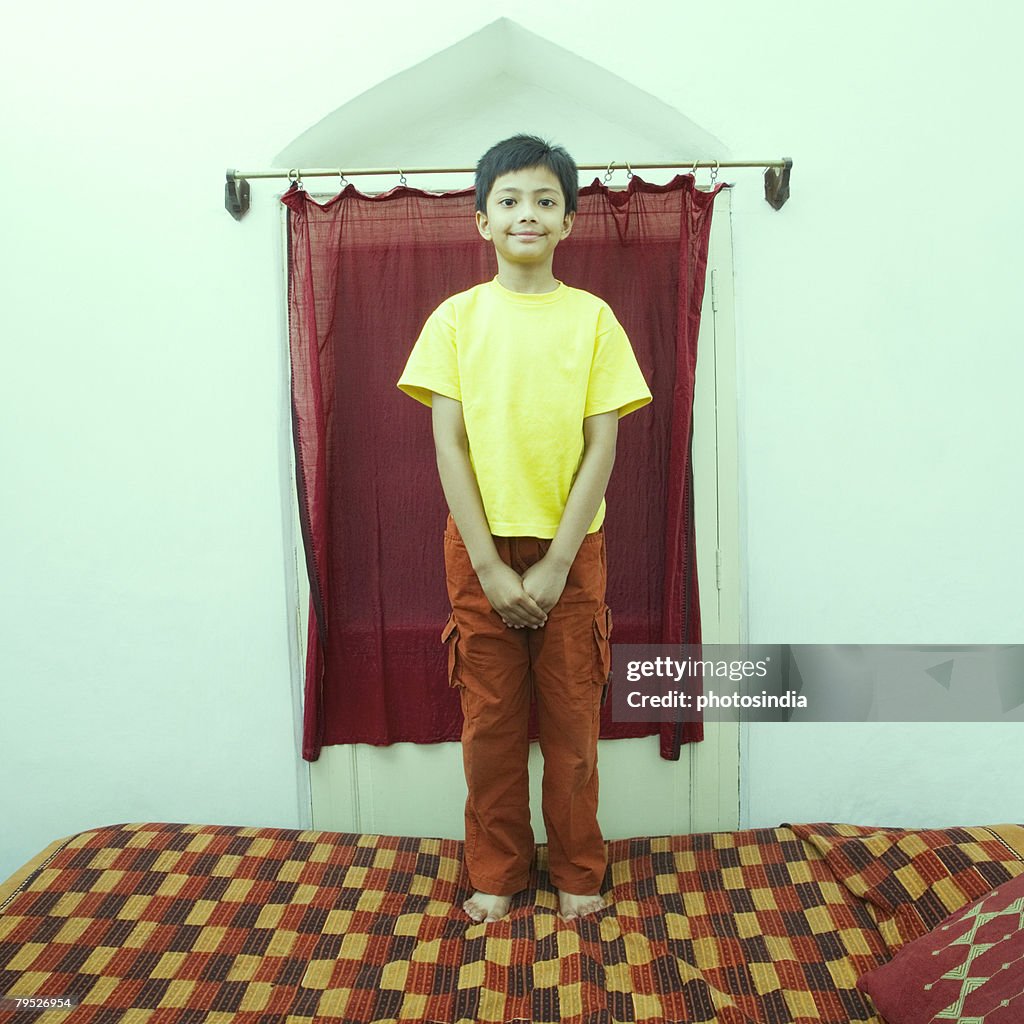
point(527, 369)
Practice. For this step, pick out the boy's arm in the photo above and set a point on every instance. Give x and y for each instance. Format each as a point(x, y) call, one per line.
point(545, 580)
point(501, 584)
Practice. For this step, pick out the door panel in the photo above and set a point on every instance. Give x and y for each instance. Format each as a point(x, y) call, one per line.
point(412, 789)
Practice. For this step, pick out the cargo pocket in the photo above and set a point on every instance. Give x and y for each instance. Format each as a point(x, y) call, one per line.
point(450, 637)
point(603, 649)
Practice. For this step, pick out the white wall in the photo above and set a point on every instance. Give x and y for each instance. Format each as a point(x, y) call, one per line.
point(147, 661)
point(908, 775)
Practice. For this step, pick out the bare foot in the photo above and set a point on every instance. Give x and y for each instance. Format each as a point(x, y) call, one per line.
point(481, 906)
point(572, 906)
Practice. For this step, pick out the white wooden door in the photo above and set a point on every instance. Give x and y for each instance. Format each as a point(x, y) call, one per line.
point(412, 789)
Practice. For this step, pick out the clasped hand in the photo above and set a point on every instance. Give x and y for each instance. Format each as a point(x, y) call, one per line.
point(523, 601)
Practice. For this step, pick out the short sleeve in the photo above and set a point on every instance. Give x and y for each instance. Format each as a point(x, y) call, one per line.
point(616, 380)
point(433, 365)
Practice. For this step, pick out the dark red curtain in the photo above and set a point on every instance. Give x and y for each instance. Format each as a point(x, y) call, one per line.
point(364, 273)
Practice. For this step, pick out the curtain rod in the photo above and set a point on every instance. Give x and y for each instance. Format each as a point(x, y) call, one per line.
point(237, 191)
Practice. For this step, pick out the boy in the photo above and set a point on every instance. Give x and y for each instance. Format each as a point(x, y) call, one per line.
point(526, 379)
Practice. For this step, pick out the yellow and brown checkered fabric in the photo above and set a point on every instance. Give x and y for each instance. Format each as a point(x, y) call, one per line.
point(911, 879)
point(170, 924)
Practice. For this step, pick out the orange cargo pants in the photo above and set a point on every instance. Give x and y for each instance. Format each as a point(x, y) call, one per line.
point(564, 665)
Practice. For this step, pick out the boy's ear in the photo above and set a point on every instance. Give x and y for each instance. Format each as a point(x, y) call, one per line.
point(482, 226)
point(567, 223)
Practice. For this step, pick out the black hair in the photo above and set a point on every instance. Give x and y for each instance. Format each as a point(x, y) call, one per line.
point(519, 153)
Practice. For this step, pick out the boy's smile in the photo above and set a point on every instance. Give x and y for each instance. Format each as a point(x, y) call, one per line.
point(525, 220)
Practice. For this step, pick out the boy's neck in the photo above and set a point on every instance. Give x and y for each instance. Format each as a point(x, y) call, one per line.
point(526, 279)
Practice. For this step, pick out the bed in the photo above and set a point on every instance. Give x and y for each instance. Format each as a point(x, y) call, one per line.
point(162, 922)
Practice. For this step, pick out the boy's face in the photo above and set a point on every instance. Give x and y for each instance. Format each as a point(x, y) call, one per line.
point(525, 216)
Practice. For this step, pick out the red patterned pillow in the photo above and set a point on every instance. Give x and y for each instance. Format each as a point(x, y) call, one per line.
point(968, 968)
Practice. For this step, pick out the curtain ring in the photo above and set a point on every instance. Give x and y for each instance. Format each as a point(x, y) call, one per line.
point(295, 177)
point(608, 171)
point(629, 171)
point(693, 170)
point(402, 180)
point(714, 173)
point(343, 182)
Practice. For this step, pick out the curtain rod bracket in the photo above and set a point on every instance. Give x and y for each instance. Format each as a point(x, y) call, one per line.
point(236, 195)
point(776, 184)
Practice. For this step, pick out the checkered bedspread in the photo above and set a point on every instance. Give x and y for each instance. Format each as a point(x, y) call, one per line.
point(167, 923)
